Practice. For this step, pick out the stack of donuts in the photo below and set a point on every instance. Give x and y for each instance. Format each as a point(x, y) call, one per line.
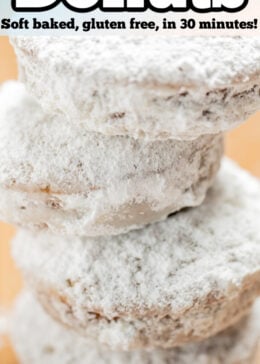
point(138, 242)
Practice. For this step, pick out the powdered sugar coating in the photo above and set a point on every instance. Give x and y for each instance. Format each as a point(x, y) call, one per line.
point(180, 280)
point(56, 175)
point(235, 346)
point(151, 87)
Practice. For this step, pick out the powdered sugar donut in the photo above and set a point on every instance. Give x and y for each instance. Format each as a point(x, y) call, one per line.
point(156, 88)
point(30, 325)
point(177, 281)
point(56, 175)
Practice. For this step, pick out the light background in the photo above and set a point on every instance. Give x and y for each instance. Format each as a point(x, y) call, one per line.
point(242, 144)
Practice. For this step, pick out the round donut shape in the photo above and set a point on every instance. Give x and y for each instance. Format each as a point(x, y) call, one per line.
point(145, 87)
point(30, 324)
point(177, 281)
point(57, 176)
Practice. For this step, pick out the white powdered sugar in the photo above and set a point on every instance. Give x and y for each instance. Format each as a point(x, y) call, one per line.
point(39, 340)
point(195, 273)
point(176, 61)
point(120, 133)
point(171, 87)
point(57, 175)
